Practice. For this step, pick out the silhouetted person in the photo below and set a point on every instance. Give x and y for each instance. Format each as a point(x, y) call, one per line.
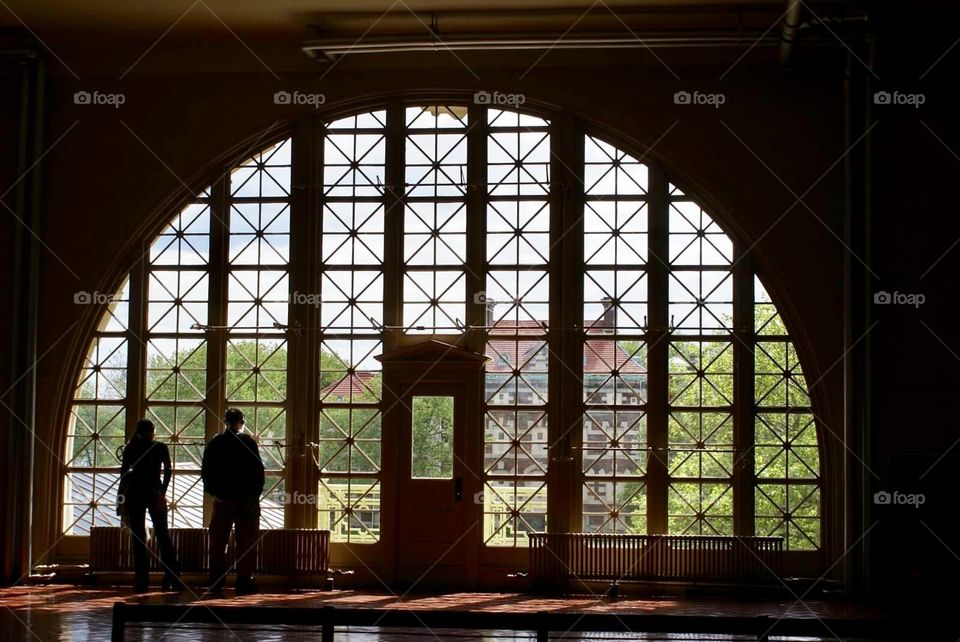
point(142, 490)
point(233, 474)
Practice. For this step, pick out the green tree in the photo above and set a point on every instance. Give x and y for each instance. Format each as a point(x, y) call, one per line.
point(432, 437)
point(701, 376)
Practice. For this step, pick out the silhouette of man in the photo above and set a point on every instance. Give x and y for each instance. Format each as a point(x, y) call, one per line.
point(141, 490)
point(233, 473)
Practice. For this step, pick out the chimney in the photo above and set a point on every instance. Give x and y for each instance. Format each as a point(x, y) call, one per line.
point(609, 313)
point(491, 316)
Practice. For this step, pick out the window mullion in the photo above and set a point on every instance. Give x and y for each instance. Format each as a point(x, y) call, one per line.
point(743, 418)
point(566, 295)
point(394, 157)
point(303, 347)
point(476, 223)
point(136, 401)
point(215, 398)
point(658, 342)
point(393, 225)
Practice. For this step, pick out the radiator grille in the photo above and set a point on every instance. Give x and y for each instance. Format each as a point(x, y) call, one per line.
point(294, 552)
point(281, 551)
point(603, 556)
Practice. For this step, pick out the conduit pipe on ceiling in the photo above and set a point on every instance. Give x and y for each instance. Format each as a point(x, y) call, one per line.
point(331, 47)
point(788, 33)
point(352, 33)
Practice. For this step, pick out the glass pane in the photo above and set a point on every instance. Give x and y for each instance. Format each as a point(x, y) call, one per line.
point(274, 498)
point(431, 440)
point(350, 509)
point(434, 301)
point(349, 440)
point(791, 511)
point(611, 171)
point(516, 442)
point(104, 371)
point(701, 301)
point(349, 373)
point(436, 152)
point(614, 506)
point(354, 164)
point(511, 510)
point(614, 442)
point(185, 498)
point(186, 241)
point(700, 508)
point(264, 175)
point(695, 239)
point(518, 161)
point(89, 501)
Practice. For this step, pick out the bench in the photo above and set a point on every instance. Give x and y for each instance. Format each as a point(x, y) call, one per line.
point(287, 551)
point(559, 557)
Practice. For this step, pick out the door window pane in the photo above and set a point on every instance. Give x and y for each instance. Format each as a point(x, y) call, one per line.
point(431, 439)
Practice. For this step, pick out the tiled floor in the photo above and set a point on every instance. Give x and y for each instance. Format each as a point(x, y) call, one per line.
point(62, 612)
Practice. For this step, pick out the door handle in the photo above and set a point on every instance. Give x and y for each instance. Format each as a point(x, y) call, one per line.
point(458, 489)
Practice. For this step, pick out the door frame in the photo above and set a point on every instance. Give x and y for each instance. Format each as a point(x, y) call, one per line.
point(427, 364)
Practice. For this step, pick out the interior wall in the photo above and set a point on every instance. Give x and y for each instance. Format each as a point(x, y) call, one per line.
point(21, 80)
point(10, 87)
point(915, 439)
point(113, 175)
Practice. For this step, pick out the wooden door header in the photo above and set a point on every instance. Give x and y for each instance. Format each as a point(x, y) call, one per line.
point(432, 351)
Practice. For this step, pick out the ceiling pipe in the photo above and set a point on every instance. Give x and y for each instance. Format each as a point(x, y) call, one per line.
point(791, 27)
point(624, 12)
point(336, 35)
point(331, 47)
point(19, 53)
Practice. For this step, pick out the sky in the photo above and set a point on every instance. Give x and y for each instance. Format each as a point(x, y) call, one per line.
point(434, 234)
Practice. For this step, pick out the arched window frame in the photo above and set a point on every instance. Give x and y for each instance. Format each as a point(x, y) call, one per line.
point(566, 199)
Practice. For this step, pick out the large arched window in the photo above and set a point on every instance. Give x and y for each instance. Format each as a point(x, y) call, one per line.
point(639, 377)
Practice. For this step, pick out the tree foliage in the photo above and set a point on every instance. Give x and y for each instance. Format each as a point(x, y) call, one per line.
point(700, 440)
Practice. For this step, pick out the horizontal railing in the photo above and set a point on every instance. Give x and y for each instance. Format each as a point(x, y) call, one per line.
point(624, 557)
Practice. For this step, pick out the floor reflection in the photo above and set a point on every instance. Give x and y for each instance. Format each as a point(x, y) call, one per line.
point(82, 614)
